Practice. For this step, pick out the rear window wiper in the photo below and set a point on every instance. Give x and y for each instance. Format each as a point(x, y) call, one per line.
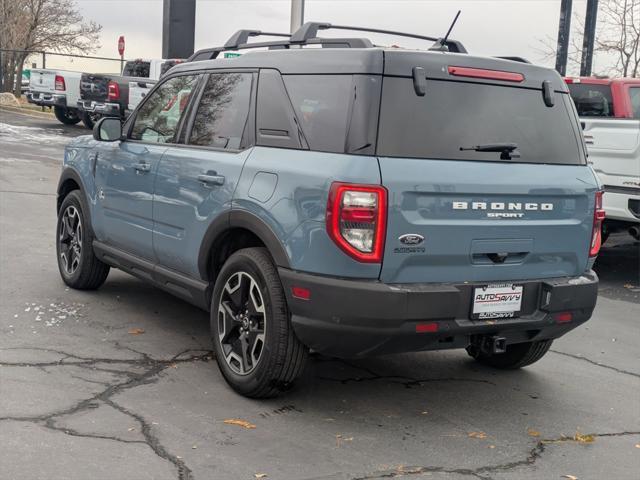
point(507, 150)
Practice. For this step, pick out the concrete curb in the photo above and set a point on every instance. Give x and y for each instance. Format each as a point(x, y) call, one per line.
point(24, 111)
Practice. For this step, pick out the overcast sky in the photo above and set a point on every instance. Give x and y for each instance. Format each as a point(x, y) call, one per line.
point(486, 27)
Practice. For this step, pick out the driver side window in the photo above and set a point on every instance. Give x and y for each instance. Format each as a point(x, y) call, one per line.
point(158, 118)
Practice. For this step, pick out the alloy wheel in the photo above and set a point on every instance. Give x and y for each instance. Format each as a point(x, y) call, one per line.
point(70, 239)
point(241, 323)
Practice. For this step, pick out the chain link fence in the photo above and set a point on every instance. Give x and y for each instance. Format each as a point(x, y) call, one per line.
point(16, 66)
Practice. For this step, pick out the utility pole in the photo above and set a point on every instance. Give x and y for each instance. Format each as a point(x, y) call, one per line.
point(297, 14)
point(589, 38)
point(178, 28)
point(564, 30)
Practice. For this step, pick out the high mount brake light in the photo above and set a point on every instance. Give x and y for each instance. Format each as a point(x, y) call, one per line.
point(487, 74)
point(59, 83)
point(598, 218)
point(356, 220)
point(113, 91)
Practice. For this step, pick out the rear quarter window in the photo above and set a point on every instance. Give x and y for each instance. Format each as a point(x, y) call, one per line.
point(454, 115)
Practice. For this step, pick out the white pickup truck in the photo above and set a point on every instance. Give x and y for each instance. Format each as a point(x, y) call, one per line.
point(59, 89)
point(609, 111)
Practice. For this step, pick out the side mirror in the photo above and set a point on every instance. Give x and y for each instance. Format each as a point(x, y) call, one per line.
point(108, 129)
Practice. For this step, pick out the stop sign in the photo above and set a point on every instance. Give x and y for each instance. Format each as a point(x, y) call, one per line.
point(121, 45)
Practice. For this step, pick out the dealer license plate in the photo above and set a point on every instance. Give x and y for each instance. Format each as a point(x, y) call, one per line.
point(496, 301)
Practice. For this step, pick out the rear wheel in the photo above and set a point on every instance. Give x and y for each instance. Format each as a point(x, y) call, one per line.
point(90, 119)
point(79, 267)
point(518, 355)
point(68, 116)
point(256, 348)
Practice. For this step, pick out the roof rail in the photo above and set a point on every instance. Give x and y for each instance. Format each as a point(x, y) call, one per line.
point(309, 31)
point(242, 36)
point(212, 53)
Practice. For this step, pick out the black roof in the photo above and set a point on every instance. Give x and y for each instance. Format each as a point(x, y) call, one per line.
point(378, 61)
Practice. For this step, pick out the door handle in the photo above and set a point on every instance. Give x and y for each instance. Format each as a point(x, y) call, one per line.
point(142, 167)
point(211, 178)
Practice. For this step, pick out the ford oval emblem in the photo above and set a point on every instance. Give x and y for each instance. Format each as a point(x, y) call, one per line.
point(411, 239)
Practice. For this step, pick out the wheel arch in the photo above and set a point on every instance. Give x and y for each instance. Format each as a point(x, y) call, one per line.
point(71, 180)
point(238, 229)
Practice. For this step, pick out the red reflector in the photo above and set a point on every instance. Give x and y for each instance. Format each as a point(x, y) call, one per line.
point(564, 317)
point(358, 214)
point(427, 327)
point(301, 293)
point(488, 74)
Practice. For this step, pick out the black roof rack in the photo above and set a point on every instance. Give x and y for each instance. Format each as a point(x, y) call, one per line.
point(307, 35)
point(242, 36)
point(310, 30)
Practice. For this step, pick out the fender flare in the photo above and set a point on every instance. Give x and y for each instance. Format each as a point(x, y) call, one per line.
point(248, 221)
point(70, 173)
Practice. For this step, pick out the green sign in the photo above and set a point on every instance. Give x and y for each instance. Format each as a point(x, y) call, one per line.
point(231, 55)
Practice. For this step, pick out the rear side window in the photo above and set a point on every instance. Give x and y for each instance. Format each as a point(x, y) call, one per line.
point(223, 111)
point(337, 113)
point(634, 93)
point(455, 115)
point(592, 100)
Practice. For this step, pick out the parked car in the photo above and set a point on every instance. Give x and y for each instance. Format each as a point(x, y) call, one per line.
point(353, 201)
point(108, 95)
point(609, 111)
point(59, 89)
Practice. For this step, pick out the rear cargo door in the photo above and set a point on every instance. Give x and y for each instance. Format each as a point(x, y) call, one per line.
point(464, 215)
point(43, 80)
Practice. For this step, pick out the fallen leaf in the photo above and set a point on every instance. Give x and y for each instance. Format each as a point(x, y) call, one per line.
point(131, 429)
point(637, 445)
point(586, 438)
point(194, 446)
point(240, 423)
point(492, 446)
point(260, 475)
point(533, 433)
point(480, 435)
point(570, 477)
point(136, 331)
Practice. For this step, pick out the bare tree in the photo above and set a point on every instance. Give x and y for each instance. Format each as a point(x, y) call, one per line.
point(617, 43)
point(52, 25)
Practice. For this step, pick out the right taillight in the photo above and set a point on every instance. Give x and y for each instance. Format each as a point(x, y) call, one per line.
point(113, 91)
point(356, 220)
point(598, 218)
point(59, 83)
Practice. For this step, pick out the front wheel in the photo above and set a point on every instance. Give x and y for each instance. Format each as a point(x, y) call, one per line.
point(518, 355)
point(255, 346)
point(68, 116)
point(78, 265)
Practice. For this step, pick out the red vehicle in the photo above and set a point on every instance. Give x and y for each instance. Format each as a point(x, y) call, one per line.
point(606, 97)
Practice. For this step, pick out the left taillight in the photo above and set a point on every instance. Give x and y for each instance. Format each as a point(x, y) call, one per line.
point(598, 218)
point(60, 85)
point(356, 220)
point(113, 91)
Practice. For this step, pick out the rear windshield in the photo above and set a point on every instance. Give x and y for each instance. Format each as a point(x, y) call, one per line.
point(455, 115)
point(136, 69)
point(592, 100)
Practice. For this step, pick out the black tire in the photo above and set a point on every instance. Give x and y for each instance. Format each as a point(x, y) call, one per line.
point(68, 116)
point(79, 267)
point(90, 119)
point(518, 355)
point(281, 358)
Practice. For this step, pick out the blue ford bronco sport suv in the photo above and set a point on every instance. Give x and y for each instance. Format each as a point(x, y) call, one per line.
point(352, 201)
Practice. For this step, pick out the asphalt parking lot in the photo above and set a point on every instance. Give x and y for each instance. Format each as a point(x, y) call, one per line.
point(120, 383)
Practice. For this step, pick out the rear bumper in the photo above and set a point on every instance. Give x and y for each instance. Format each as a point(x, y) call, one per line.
point(103, 108)
point(44, 99)
point(349, 318)
point(622, 205)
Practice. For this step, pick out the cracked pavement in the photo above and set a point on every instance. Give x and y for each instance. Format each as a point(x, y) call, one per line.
point(81, 397)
